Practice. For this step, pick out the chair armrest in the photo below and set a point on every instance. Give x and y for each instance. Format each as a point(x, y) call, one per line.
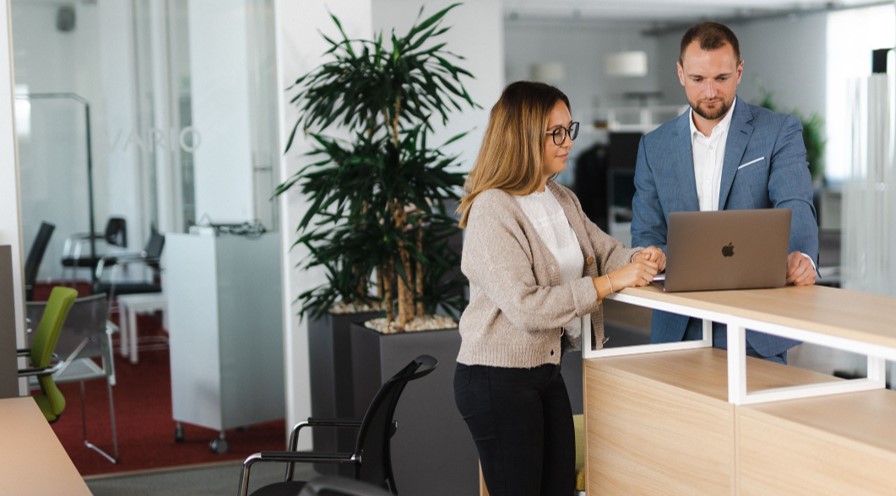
point(319, 422)
point(304, 457)
point(71, 247)
point(51, 369)
point(333, 422)
point(289, 457)
point(124, 259)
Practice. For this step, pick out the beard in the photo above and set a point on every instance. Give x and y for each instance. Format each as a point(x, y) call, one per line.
point(710, 114)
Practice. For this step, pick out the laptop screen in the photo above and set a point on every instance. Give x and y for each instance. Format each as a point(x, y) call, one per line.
point(729, 249)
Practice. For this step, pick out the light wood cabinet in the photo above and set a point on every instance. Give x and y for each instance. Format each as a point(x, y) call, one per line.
point(666, 422)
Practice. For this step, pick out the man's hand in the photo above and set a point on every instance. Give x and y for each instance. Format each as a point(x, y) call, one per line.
point(800, 271)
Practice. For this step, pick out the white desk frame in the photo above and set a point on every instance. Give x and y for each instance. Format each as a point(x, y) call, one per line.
point(705, 305)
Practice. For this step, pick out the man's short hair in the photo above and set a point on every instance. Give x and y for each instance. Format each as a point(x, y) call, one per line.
point(711, 36)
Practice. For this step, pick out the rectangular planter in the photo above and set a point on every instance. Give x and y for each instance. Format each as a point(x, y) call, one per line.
point(332, 391)
point(432, 450)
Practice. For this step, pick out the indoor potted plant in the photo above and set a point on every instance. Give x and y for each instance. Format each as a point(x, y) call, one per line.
point(380, 199)
point(381, 220)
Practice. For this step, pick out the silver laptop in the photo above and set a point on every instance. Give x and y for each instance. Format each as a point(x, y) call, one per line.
point(729, 249)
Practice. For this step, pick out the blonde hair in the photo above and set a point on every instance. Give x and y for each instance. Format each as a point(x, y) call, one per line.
point(510, 158)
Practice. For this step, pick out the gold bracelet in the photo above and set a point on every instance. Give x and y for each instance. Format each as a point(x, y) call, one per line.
point(610, 283)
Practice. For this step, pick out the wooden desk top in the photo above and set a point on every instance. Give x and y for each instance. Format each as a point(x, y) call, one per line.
point(32, 460)
point(865, 317)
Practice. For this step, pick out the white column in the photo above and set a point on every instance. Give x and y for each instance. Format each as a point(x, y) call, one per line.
point(299, 49)
point(868, 196)
point(10, 218)
point(119, 89)
point(219, 76)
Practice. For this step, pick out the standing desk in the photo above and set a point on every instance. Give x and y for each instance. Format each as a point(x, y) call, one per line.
point(32, 460)
point(678, 418)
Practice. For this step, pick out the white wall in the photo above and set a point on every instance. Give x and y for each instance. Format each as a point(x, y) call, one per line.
point(299, 49)
point(786, 56)
point(48, 60)
point(582, 47)
point(476, 34)
point(220, 89)
point(10, 223)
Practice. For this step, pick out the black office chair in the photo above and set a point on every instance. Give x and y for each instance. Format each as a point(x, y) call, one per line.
point(76, 250)
point(35, 256)
point(371, 458)
point(327, 485)
point(150, 258)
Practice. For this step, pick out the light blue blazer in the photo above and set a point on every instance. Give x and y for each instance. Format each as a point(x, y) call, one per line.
point(764, 166)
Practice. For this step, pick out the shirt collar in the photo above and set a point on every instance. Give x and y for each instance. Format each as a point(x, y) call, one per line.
point(721, 127)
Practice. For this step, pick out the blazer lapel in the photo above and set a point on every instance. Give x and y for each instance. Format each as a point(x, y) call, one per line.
point(738, 136)
point(684, 164)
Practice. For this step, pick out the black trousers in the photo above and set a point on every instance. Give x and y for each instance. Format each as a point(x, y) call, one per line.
point(521, 422)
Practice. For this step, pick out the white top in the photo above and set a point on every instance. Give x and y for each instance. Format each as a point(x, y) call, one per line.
point(549, 220)
point(709, 155)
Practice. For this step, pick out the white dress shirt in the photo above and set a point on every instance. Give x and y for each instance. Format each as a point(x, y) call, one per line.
point(709, 155)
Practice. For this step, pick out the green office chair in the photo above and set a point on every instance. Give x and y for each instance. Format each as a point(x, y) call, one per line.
point(86, 335)
point(41, 356)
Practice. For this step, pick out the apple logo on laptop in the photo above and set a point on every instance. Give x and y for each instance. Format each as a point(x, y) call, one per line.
point(728, 250)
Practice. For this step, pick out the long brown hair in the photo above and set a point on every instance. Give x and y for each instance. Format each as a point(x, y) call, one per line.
point(510, 158)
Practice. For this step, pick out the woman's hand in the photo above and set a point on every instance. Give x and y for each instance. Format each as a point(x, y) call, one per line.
point(638, 273)
point(652, 254)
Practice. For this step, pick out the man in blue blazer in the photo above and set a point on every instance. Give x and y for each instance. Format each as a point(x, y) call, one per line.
point(723, 154)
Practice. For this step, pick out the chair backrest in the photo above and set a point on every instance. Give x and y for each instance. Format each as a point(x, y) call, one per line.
point(116, 232)
point(373, 447)
point(154, 245)
point(83, 334)
point(36, 255)
point(45, 339)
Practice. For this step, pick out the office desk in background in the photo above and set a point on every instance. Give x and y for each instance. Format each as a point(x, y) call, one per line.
point(32, 460)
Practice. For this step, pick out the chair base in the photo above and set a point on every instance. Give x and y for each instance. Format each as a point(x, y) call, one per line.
point(87, 443)
point(102, 452)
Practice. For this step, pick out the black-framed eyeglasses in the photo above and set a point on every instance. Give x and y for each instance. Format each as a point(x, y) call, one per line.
point(559, 134)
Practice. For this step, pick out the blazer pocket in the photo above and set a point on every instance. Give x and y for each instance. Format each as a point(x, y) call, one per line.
point(751, 162)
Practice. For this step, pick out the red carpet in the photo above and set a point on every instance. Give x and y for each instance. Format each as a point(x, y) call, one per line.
point(145, 425)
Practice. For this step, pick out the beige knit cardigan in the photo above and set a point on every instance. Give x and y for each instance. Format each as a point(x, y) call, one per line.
point(517, 304)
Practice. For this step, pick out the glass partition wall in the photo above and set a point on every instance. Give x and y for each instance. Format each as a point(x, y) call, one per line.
point(161, 112)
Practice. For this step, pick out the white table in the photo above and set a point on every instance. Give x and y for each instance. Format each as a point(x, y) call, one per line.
point(852, 321)
point(683, 421)
point(129, 307)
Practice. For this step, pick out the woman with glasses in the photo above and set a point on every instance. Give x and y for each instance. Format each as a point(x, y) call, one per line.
point(538, 271)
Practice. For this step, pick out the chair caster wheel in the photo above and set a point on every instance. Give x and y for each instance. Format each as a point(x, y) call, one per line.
point(218, 446)
point(179, 433)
